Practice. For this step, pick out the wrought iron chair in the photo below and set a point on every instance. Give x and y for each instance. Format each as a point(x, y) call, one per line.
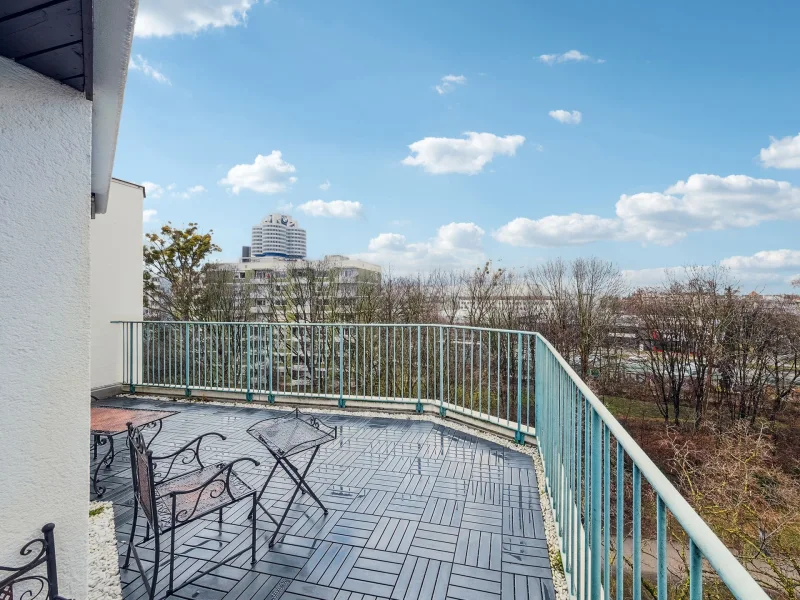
point(24, 581)
point(170, 502)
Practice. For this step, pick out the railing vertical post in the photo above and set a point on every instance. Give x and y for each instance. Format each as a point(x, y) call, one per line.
point(270, 362)
point(607, 513)
point(661, 541)
point(249, 393)
point(341, 367)
point(442, 410)
point(518, 436)
point(419, 369)
point(695, 572)
point(637, 533)
point(594, 548)
point(131, 386)
point(619, 554)
point(186, 358)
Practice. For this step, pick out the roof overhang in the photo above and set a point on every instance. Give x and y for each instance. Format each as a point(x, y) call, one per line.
point(112, 39)
point(52, 37)
point(85, 44)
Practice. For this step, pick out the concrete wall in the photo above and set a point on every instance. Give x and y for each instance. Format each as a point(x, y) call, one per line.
point(116, 275)
point(45, 199)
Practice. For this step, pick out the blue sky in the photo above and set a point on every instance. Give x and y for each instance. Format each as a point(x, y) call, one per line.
point(652, 136)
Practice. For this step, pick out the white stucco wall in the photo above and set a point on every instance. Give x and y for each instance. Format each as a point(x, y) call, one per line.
point(116, 275)
point(45, 154)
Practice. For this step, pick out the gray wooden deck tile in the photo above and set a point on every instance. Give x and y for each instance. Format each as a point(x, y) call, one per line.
point(415, 511)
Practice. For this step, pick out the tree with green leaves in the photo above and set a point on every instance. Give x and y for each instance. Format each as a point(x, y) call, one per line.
point(175, 261)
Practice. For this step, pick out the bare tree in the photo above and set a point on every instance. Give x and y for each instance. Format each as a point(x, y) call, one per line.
point(481, 290)
point(225, 297)
point(665, 339)
point(702, 294)
point(548, 283)
point(582, 304)
point(783, 363)
point(448, 288)
point(597, 288)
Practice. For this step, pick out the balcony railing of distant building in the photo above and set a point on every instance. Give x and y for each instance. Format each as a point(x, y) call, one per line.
point(508, 381)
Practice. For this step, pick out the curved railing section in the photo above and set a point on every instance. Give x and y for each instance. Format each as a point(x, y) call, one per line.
point(614, 536)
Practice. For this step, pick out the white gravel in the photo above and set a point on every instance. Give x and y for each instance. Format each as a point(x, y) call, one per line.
point(559, 581)
point(103, 558)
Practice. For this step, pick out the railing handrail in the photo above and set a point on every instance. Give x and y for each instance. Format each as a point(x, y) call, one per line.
point(726, 565)
point(308, 324)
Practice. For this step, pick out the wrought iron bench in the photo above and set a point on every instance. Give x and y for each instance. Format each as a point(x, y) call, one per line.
point(170, 502)
point(23, 581)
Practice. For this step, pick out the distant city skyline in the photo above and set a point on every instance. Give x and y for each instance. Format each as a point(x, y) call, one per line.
point(438, 137)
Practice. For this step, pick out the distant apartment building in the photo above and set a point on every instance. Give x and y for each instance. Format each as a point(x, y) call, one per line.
point(285, 289)
point(278, 236)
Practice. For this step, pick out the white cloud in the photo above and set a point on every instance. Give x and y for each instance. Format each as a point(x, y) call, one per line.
point(267, 175)
point(701, 203)
point(743, 279)
point(706, 202)
point(152, 190)
point(338, 209)
point(778, 260)
point(644, 278)
point(394, 242)
point(569, 56)
point(325, 186)
point(140, 63)
point(448, 83)
point(155, 191)
point(149, 215)
point(567, 117)
point(159, 18)
point(558, 230)
point(455, 155)
point(456, 245)
point(782, 153)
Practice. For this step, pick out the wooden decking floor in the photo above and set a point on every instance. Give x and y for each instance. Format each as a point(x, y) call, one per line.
point(416, 511)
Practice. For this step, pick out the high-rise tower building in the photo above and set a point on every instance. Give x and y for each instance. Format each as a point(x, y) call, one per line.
point(278, 235)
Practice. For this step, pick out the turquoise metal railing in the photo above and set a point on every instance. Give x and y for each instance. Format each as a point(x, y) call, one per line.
point(594, 470)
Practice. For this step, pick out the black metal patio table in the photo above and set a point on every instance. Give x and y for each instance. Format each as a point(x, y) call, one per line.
point(288, 435)
point(108, 421)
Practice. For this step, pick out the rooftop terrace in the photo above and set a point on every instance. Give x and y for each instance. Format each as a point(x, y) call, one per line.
point(417, 510)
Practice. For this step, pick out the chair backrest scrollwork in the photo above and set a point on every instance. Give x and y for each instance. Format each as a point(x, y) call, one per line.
point(26, 581)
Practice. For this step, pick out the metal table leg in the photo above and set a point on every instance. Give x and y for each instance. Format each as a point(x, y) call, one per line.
point(299, 480)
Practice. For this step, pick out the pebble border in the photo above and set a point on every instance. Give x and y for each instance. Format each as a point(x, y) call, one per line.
point(104, 583)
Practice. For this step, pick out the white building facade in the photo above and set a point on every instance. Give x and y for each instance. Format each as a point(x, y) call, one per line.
point(56, 155)
point(278, 236)
point(116, 281)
